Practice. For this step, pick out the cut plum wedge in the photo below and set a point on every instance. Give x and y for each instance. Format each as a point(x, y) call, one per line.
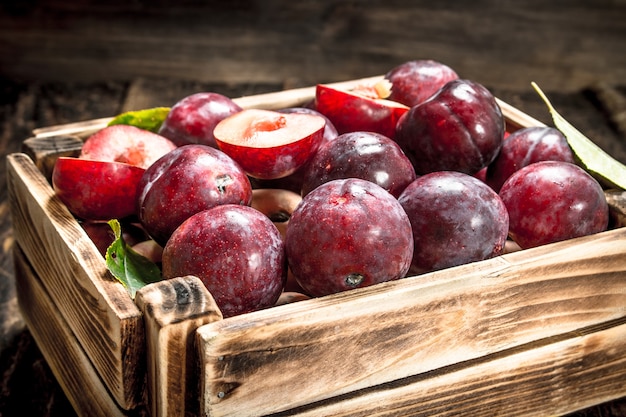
point(96, 190)
point(127, 144)
point(363, 108)
point(101, 183)
point(268, 144)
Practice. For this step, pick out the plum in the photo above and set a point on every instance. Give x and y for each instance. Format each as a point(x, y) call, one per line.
point(96, 190)
point(366, 155)
point(101, 183)
point(455, 219)
point(524, 147)
point(551, 201)
point(127, 144)
point(348, 233)
point(236, 251)
point(363, 108)
point(187, 180)
point(293, 182)
point(460, 128)
point(413, 82)
point(330, 131)
point(277, 204)
point(268, 144)
point(193, 118)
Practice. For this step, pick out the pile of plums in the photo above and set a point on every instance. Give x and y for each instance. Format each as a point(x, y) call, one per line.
point(411, 174)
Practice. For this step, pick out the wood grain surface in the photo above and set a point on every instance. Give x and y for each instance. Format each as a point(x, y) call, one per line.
point(305, 42)
point(173, 310)
point(462, 316)
point(106, 322)
point(65, 61)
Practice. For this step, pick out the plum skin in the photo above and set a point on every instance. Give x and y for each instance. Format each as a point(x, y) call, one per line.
point(348, 233)
point(455, 218)
point(351, 110)
point(97, 190)
point(187, 180)
point(193, 118)
point(367, 155)
point(524, 147)
point(552, 201)
point(460, 128)
point(236, 251)
point(413, 82)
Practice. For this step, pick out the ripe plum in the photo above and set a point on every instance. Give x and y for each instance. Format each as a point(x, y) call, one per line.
point(127, 144)
point(348, 233)
point(551, 201)
point(187, 180)
point(366, 155)
point(413, 82)
point(330, 131)
point(236, 251)
point(101, 183)
point(524, 147)
point(362, 108)
point(455, 218)
point(96, 190)
point(293, 182)
point(193, 118)
point(460, 128)
point(268, 144)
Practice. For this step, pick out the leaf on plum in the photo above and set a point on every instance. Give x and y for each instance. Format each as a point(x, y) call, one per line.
point(147, 119)
point(598, 163)
point(132, 269)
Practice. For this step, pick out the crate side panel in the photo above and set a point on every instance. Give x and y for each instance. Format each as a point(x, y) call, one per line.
point(103, 317)
point(391, 331)
point(550, 377)
point(69, 363)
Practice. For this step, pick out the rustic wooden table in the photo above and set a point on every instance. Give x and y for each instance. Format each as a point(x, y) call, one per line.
point(62, 62)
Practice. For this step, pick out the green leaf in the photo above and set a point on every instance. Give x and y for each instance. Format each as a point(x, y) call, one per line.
point(148, 119)
point(598, 163)
point(132, 269)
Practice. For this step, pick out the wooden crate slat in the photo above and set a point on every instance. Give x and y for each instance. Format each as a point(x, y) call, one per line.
point(104, 318)
point(45, 151)
point(79, 379)
point(551, 377)
point(375, 335)
point(173, 310)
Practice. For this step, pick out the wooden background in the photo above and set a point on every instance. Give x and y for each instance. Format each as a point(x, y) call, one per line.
point(562, 45)
point(63, 61)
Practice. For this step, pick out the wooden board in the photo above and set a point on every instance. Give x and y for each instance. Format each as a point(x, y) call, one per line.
point(72, 367)
point(563, 46)
point(315, 350)
point(551, 377)
point(173, 310)
point(98, 309)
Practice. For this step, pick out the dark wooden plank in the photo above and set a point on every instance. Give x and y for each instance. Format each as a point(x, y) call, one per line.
point(564, 46)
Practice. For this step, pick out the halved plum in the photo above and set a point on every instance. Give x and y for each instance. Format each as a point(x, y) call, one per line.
point(101, 184)
point(126, 143)
point(268, 144)
point(363, 108)
point(96, 190)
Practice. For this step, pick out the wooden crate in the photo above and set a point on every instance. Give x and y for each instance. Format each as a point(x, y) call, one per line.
point(534, 332)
